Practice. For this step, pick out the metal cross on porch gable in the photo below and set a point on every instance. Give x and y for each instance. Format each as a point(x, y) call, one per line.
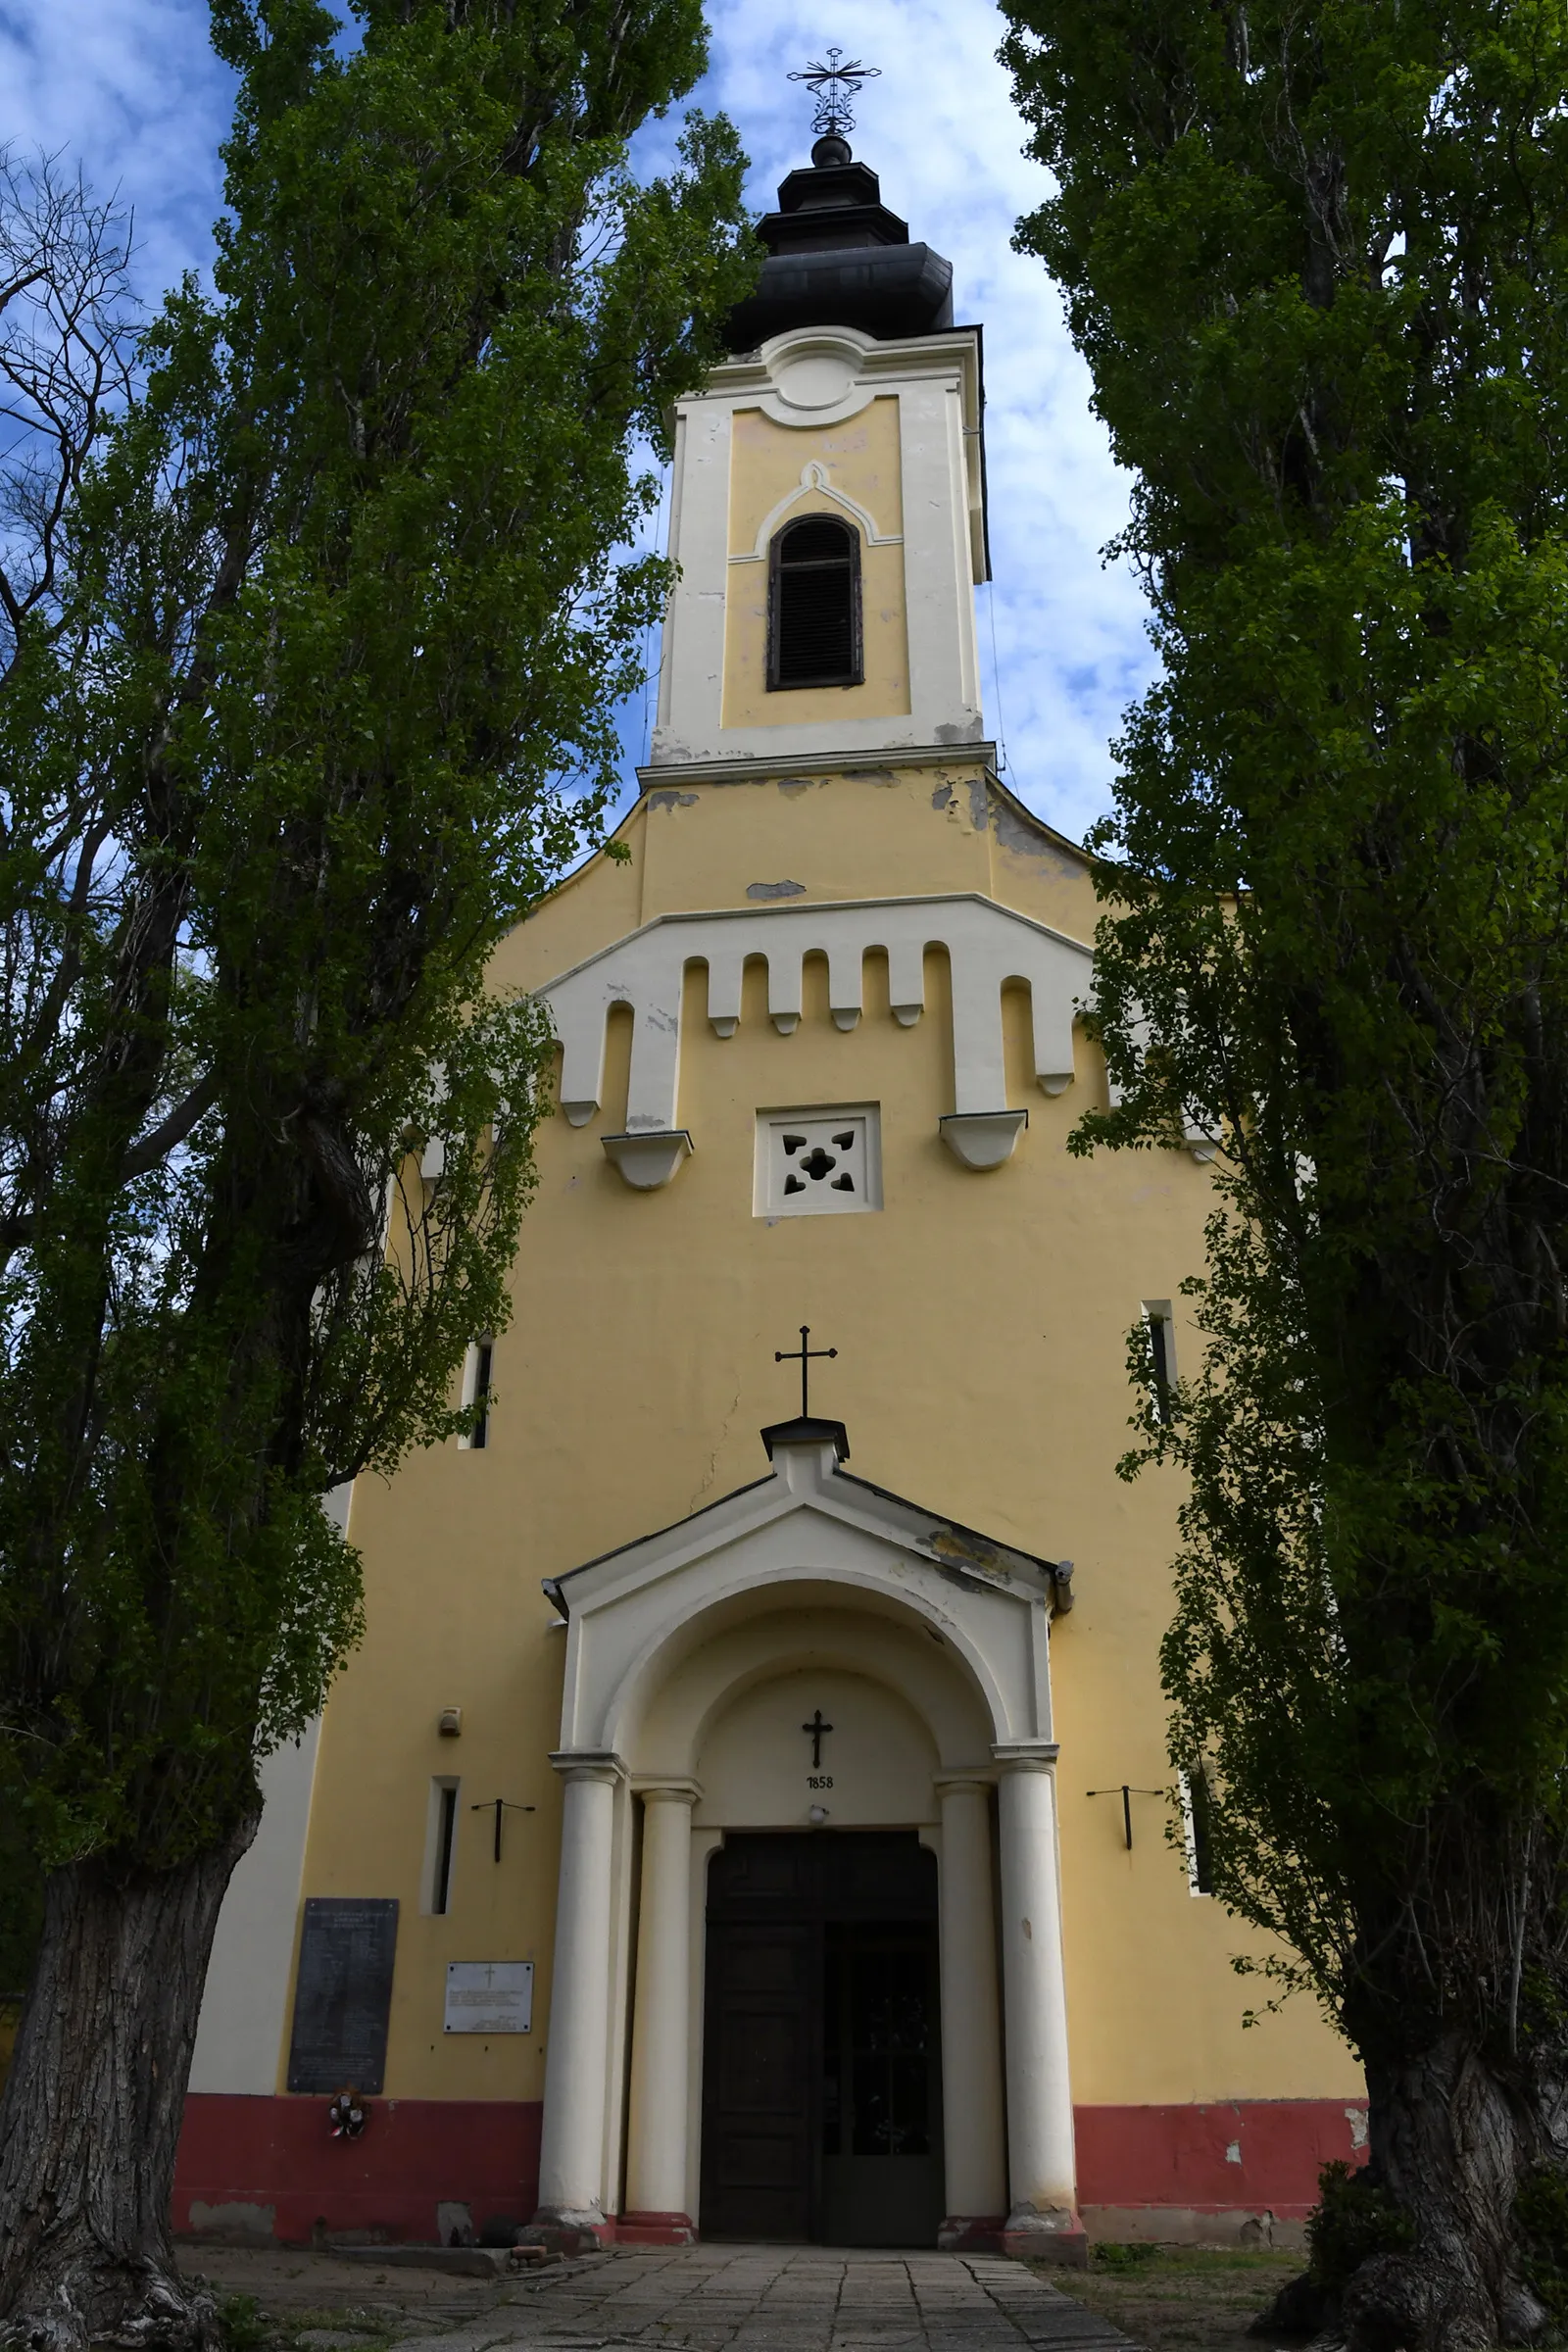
point(805, 1354)
point(814, 1732)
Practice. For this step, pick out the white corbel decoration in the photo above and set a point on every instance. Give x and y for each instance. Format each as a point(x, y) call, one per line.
point(987, 947)
point(649, 1159)
point(982, 1139)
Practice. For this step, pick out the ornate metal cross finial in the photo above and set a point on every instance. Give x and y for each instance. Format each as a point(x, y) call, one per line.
point(835, 86)
point(804, 1355)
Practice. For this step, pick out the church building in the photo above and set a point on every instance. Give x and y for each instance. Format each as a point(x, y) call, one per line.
point(747, 1815)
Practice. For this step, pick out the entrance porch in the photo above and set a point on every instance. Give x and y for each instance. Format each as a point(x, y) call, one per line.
point(809, 1881)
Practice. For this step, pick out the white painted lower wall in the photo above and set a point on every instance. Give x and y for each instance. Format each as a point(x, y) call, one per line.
point(241, 2029)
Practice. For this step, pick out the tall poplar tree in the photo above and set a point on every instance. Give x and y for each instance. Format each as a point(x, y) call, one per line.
point(313, 631)
point(1315, 253)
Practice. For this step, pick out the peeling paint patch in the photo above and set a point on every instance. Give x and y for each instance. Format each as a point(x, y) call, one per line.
point(964, 1581)
point(791, 785)
point(670, 799)
point(775, 890)
point(1233, 2151)
point(949, 1544)
point(1014, 834)
point(992, 812)
point(454, 2225)
point(1355, 2117)
point(250, 2223)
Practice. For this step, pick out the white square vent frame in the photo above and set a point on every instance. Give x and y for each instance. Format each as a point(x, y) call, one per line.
point(819, 1163)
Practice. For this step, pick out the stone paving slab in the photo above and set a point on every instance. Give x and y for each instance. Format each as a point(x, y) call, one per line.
point(782, 2299)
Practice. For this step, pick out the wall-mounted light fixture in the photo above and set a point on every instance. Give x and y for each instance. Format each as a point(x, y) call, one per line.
point(1126, 1793)
point(499, 1806)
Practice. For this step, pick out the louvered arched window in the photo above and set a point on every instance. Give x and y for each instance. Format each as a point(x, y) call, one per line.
point(813, 636)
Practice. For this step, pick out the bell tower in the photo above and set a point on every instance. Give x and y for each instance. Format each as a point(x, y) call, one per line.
point(828, 506)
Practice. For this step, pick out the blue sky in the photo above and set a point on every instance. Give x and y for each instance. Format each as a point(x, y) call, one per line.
point(129, 89)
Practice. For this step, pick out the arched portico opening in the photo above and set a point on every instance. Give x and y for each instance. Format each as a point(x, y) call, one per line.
point(695, 1662)
point(896, 1784)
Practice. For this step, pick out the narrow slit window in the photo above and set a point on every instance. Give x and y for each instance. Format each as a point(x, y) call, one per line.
point(814, 605)
point(476, 1391)
point(1196, 1825)
point(445, 1843)
point(1162, 1355)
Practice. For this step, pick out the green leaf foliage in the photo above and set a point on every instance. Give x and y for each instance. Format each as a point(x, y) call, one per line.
point(312, 640)
point(1354, 2219)
point(1318, 259)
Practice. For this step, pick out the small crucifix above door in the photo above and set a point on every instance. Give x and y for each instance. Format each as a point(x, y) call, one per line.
point(814, 1732)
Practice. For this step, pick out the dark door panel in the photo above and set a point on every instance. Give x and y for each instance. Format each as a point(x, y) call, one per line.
point(760, 2068)
point(821, 2115)
point(882, 2181)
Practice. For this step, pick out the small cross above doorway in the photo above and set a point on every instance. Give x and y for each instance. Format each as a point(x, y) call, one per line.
point(814, 1730)
point(804, 1356)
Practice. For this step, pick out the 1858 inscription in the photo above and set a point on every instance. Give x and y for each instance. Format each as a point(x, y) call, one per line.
point(344, 1992)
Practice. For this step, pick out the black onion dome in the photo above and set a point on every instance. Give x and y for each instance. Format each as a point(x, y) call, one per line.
point(837, 256)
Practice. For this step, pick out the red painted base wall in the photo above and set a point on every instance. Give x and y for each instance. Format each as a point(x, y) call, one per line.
point(1263, 2155)
point(268, 2168)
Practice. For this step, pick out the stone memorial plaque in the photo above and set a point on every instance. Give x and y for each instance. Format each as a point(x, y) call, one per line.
point(489, 1996)
point(343, 1994)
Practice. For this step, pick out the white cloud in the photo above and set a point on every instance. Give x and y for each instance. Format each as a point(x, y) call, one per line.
point(130, 90)
point(130, 87)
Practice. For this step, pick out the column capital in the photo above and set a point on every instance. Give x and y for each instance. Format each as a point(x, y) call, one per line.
point(589, 1764)
point(1026, 1755)
point(676, 1791)
point(947, 1784)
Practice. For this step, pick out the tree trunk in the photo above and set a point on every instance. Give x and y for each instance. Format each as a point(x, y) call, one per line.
point(1452, 2135)
point(90, 2117)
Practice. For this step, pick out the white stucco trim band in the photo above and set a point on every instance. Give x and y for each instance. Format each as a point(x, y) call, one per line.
point(766, 768)
point(987, 946)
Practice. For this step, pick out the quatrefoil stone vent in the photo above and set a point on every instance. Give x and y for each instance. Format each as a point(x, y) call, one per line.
point(817, 1162)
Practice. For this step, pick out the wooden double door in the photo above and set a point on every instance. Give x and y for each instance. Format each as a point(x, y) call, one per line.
point(821, 2065)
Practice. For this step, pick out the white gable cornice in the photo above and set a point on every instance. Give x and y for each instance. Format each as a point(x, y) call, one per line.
point(830, 1537)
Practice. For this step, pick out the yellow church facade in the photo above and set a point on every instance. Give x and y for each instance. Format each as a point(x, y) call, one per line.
point(747, 1814)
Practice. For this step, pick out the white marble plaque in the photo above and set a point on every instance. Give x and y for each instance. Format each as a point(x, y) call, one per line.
point(489, 1996)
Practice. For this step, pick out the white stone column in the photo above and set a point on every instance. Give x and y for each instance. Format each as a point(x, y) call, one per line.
point(655, 2144)
point(571, 2148)
point(1043, 2219)
point(973, 2156)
